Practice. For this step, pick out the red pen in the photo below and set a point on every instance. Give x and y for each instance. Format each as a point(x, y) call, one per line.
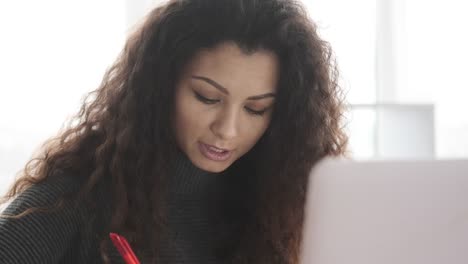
point(124, 249)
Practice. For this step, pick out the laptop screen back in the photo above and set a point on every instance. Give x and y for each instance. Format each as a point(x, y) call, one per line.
point(387, 212)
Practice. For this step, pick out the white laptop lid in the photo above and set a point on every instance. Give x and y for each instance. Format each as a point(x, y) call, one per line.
point(380, 212)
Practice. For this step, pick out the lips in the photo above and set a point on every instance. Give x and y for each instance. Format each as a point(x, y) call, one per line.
point(216, 148)
point(214, 153)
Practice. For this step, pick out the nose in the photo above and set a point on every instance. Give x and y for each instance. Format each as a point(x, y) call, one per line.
point(225, 126)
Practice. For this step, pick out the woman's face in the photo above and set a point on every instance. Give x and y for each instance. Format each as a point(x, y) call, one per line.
point(224, 100)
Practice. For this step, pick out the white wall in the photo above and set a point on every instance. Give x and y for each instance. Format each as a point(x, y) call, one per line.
point(52, 53)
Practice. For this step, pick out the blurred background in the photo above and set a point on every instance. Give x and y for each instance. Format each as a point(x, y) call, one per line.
point(402, 65)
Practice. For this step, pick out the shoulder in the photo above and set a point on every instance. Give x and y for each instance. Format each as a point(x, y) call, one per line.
point(44, 194)
point(40, 235)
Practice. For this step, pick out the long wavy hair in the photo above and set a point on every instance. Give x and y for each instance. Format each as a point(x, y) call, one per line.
point(123, 130)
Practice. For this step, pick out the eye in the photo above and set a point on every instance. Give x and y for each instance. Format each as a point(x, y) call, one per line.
point(204, 99)
point(254, 112)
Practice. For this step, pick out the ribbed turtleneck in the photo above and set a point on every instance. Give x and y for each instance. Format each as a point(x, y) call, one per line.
point(203, 220)
point(190, 180)
point(196, 214)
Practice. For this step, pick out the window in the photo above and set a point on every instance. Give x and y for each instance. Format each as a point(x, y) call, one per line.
point(52, 53)
point(402, 63)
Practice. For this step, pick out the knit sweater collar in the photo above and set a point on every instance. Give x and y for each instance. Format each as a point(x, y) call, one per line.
point(190, 180)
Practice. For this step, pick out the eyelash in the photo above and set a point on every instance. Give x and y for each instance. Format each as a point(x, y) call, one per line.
point(212, 101)
point(204, 99)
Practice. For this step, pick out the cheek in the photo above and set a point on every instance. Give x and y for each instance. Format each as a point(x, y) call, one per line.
point(253, 132)
point(182, 119)
point(188, 117)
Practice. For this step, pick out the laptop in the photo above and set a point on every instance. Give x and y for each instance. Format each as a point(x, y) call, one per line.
point(387, 212)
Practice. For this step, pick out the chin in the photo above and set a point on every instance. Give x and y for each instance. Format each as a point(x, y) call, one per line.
point(214, 169)
point(212, 166)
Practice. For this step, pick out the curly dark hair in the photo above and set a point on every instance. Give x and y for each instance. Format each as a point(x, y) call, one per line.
point(123, 130)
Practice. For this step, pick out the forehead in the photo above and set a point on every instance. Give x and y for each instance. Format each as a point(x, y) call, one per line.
point(236, 70)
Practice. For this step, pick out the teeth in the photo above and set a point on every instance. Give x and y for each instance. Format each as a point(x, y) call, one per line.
point(216, 150)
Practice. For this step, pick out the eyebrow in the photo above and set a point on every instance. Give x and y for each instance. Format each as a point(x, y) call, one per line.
point(225, 91)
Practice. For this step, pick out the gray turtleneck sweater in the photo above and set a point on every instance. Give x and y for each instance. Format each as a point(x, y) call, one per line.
point(196, 217)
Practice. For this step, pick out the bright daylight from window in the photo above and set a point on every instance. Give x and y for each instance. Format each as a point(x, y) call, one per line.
point(402, 64)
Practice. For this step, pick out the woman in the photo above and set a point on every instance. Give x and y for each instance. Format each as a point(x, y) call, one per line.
point(196, 147)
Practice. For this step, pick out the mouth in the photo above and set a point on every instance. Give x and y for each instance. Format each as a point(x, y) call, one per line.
point(214, 153)
point(215, 148)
